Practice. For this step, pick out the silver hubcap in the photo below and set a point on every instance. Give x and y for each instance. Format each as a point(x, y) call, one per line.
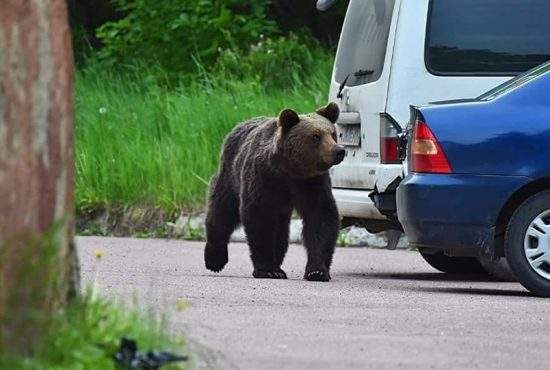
point(537, 244)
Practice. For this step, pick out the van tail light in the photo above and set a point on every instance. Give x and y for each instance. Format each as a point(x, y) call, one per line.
point(389, 148)
point(427, 156)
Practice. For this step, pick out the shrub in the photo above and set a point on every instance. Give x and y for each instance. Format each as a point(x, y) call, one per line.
point(87, 334)
point(179, 33)
point(280, 61)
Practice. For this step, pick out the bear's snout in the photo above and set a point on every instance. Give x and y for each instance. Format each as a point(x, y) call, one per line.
point(339, 154)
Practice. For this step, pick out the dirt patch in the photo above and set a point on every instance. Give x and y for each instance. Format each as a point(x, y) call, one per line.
point(142, 222)
point(133, 221)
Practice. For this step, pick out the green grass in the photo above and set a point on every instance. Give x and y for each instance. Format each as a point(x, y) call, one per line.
point(138, 143)
point(87, 335)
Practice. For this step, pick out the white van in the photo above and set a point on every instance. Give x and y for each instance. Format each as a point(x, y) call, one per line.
point(396, 53)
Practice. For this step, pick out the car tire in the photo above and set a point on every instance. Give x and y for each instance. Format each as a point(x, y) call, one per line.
point(453, 265)
point(527, 244)
point(499, 269)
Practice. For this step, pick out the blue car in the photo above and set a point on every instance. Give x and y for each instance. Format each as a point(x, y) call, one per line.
point(478, 180)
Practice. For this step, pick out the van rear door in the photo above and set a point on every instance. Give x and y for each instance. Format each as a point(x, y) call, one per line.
point(359, 84)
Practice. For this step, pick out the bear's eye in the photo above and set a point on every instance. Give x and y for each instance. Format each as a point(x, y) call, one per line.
point(316, 138)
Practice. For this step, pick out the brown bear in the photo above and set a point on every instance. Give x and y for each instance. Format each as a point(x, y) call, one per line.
point(268, 167)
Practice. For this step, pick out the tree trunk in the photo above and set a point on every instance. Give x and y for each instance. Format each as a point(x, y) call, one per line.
point(38, 268)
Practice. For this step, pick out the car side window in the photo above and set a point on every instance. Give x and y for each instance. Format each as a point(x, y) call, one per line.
point(487, 37)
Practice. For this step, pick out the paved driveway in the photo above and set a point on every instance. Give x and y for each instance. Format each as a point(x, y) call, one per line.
point(382, 310)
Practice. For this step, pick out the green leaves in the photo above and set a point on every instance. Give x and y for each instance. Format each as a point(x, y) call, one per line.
point(87, 334)
point(278, 62)
point(174, 33)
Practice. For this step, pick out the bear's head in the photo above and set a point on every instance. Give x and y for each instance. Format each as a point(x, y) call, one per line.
point(306, 144)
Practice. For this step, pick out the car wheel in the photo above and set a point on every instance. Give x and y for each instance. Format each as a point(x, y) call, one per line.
point(499, 269)
point(527, 244)
point(453, 265)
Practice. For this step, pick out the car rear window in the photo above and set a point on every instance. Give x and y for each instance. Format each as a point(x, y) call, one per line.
point(362, 46)
point(516, 82)
point(487, 37)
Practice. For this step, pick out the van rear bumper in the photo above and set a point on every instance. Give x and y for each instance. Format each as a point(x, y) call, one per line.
point(356, 204)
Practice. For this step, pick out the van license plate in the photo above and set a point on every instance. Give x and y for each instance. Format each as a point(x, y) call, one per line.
point(349, 135)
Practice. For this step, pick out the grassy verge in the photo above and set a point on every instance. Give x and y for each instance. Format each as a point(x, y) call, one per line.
point(139, 144)
point(87, 335)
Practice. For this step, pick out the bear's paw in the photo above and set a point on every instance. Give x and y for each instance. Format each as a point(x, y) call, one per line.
point(317, 275)
point(276, 274)
point(215, 259)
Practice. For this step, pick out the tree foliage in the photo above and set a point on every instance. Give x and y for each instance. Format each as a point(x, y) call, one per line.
point(178, 34)
point(279, 62)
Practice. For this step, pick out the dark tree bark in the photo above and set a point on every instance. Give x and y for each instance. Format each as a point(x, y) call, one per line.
point(38, 268)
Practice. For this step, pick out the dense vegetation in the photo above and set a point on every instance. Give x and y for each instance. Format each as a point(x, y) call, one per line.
point(87, 334)
point(140, 143)
point(166, 83)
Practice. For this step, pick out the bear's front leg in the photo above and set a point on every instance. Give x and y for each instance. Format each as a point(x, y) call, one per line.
point(319, 234)
point(316, 204)
point(260, 226)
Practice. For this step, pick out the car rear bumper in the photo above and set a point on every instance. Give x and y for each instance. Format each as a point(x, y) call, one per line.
point(453, 211)
point(356, 204)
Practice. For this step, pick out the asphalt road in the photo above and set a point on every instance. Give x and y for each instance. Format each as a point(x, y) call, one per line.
point(382, 310)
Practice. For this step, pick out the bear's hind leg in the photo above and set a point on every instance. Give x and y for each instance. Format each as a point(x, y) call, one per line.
point(222, 218)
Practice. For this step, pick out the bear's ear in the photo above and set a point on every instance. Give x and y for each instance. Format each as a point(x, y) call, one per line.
point(330, 112)
point(288, 119)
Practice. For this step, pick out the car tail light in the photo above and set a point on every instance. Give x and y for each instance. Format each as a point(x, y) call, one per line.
point(389, 150)
point(426, 154)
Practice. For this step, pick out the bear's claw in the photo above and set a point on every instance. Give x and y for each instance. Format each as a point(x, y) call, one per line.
point(277, 274)
point(317, 275)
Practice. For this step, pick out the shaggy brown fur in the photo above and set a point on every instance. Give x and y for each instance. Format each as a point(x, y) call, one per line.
point(268, 167)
